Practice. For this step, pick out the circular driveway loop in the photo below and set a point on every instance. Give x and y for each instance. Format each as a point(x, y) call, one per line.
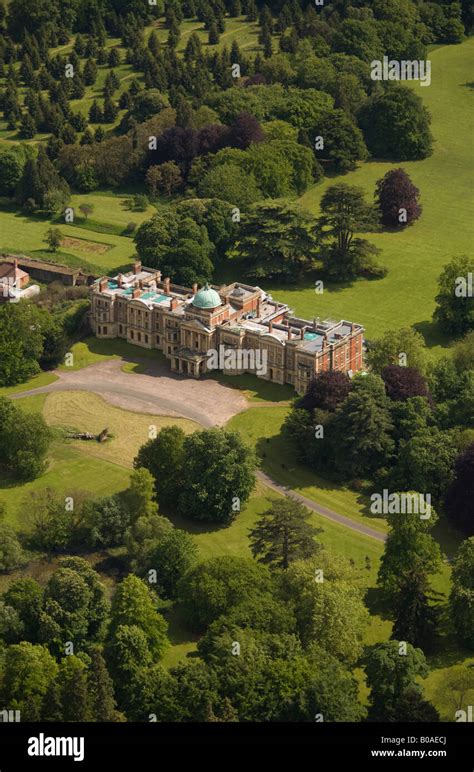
point(158, 391)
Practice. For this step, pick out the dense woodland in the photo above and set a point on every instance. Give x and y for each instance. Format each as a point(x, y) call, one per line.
point(218, 134)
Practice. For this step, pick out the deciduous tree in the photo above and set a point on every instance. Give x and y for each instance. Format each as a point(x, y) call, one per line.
point(397, 199)
point(460, 494)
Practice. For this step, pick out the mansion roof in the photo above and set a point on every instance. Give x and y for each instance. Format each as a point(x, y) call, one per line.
point(238, 309)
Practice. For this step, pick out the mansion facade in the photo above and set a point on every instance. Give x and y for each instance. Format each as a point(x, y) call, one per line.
point(187, 325)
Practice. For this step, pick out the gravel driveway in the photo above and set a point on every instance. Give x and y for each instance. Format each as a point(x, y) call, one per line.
point(158, 391)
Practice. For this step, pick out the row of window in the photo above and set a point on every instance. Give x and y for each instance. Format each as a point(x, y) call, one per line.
point(139, 336)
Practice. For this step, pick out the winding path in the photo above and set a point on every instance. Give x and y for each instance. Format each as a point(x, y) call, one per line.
point(159, 391)
point(364, 530)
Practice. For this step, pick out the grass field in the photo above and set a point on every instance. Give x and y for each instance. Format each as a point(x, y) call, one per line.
point(415, 256)
point(69, 470)
point(86, 412)
point(256, 389)
point(109, 209)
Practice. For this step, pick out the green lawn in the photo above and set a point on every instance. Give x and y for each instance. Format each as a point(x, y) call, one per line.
point(90, 350)
point(43, 379)
point(256, 389)
point(32, 404)
point(69, 470)
point(19, 232)
point(109, 209)
point(415, 256)
point(244, 32)
point(261, 428)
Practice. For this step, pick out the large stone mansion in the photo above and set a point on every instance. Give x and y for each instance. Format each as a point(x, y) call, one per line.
point(187, 324)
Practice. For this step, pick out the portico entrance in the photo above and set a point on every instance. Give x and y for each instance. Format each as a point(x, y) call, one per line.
point(189, 363)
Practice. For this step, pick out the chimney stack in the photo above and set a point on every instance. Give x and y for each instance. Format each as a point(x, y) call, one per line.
point(302, 333)
point(103, 283)
point(258, 306)
point(136, 293)
point(167, 284)
point(173, 303)
point(289, 332)
point(120, 280)
point(270, 326)
point(195, 288)
point(137, 267)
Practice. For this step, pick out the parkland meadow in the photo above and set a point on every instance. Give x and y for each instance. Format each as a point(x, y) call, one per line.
point(416, 255)
point(124, 540)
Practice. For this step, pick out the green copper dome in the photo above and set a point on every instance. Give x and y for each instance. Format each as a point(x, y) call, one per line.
point(206, 298)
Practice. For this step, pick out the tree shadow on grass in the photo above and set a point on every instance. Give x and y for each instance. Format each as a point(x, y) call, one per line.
point(377, 604)
point(365, 504)
point(433, 334)
point(446, 650)
point(192, 526)
point(115, 567)
point(278, 462)
point(262, 390)
point(126, 351)
point(447, 536)
point(29, 216)
point(7, 479)
point(298, 287)
point(178, 631)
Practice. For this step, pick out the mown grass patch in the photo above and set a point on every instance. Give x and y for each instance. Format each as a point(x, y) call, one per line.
point(69, 469)
point(109, 209)
point(42, 379)
point(91, 350)
point(86, 412)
